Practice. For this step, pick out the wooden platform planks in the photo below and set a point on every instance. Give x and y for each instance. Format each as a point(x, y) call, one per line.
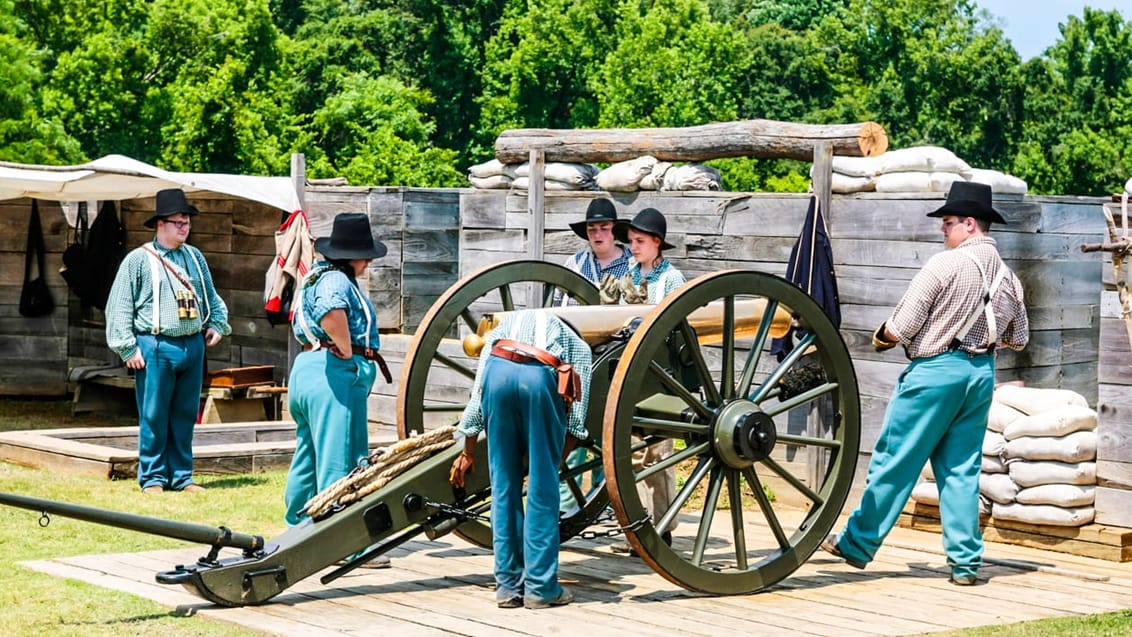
point(1099, 541)
point(444, 588)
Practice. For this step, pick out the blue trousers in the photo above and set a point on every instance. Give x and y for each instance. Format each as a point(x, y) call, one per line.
point(938, 412)
point(168, 396)
point(327, 399)
point(525, 418)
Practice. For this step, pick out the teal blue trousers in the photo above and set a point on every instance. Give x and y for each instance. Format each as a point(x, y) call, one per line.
point(938, 413)
point(327, 399)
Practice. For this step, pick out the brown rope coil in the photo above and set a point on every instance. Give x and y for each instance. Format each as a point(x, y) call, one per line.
point(380, 468)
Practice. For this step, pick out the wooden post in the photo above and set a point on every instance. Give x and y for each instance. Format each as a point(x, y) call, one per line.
point(536, 219)
point(821, 411)
point(823, 175)
point(299, 182)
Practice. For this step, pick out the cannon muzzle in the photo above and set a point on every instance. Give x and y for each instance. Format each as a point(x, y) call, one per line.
point(187, 531)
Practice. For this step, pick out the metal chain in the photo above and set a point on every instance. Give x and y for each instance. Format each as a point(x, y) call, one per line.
point(457, 512)
point(606, 515)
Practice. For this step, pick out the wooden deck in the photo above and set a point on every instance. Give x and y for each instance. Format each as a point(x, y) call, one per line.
point(444, 588)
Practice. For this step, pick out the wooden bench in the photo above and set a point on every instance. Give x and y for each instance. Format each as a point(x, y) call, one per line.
point(230, 395)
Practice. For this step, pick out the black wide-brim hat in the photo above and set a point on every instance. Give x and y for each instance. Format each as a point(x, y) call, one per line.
point(969, 199)
point(598, 210)
point(168, 203)
point(350, 238)
point(649, 221)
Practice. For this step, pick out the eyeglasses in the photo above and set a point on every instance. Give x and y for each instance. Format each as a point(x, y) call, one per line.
point(181, 225)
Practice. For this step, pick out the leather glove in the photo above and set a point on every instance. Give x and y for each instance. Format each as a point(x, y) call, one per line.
point(880, 342)
point(610, 290)
point(633, 294)
point(460, 466)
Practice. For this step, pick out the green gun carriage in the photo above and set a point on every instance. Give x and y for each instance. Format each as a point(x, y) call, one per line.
point(764, 449)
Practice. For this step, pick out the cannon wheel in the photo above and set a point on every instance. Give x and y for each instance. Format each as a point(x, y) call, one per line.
point(457, 313)
point(723, 407)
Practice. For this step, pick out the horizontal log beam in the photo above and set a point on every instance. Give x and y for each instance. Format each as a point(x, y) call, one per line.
point(759, 138)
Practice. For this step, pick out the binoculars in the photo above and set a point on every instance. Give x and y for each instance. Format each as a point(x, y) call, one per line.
point(186, 305)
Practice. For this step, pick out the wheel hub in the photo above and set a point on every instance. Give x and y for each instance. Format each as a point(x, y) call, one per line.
point(743, 434)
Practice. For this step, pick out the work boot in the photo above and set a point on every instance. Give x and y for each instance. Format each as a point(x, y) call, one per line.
point(535, 604)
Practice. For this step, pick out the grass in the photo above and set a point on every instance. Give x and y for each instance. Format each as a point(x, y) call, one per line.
point(38, 604)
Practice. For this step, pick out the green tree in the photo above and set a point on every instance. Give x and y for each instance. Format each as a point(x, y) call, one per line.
point(540, 64)
point(932, 71)
point(672, 66)
point(217, 66)
point(373, 132)
point(1078, 109)
point(26, 134)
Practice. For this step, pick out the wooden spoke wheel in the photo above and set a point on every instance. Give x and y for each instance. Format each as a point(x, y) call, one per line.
point(436, 378)
point(762, 452)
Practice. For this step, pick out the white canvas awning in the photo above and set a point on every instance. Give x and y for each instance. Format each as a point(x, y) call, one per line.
point(117, 178)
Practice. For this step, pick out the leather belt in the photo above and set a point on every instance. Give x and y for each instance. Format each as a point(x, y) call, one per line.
point(523, 353)
point(569, 383)
point(367, 353)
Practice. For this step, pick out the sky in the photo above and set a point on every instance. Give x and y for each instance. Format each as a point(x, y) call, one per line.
point(1031, 25)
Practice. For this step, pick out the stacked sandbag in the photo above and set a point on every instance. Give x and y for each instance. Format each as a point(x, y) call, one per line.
point(1050, 454)
point(1000, 183)
point(916, 169)
point(1038, 459)
point(646, 173)
point(920, 169)
point(491, 175)
point(556, 175)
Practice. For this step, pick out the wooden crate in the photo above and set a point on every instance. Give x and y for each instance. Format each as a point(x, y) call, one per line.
point(240, 377)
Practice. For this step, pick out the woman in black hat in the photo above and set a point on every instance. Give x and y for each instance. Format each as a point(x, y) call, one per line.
point(330, 381)
point(645, 236)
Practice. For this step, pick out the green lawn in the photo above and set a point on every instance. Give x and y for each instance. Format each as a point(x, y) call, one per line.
point(37, 604)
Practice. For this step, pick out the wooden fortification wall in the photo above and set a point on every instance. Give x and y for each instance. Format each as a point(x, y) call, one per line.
point(436, 235)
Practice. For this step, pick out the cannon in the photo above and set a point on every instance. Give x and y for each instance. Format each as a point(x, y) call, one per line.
point(764, 447)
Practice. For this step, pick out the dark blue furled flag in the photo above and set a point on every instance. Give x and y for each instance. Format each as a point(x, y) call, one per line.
point(811, 268)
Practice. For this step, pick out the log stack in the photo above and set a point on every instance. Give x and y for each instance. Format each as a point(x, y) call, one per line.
point(758, 138)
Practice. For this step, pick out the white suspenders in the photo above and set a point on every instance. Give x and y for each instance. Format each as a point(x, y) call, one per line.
point(986, 306)
point(155, 266)
point(298, 302)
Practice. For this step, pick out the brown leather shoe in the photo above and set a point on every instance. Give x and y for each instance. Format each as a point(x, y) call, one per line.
point(829, 545)
point(154, 488)
point(192, 487)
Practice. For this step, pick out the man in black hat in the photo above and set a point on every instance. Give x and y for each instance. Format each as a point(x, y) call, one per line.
point(938, 411)
point(163, 310)
point(604, 257)
point(604, 260)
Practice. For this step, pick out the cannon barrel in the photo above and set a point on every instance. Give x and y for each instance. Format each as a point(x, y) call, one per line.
point(597, 324)
point(199, 533)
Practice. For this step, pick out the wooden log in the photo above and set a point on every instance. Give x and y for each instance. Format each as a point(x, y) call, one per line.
point(760, 138)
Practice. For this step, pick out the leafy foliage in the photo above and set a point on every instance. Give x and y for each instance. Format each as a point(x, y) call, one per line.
point(411, 91)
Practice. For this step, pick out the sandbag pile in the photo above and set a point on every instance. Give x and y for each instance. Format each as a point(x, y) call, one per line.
point(1039, 458)
point(916, 169)
point(642, 173)
point(494, 174)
